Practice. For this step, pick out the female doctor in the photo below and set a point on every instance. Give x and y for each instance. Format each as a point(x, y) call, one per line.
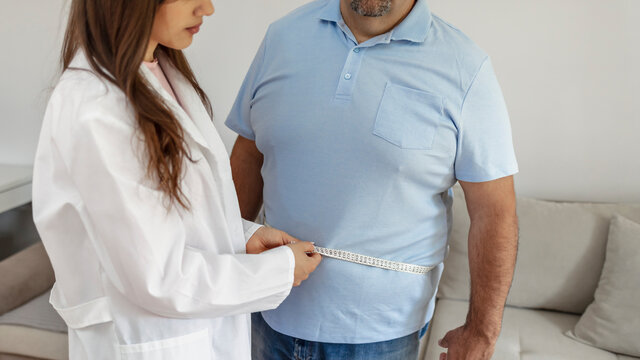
point(134, 200)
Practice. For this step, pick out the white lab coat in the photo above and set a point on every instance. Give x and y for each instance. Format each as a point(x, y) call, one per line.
point(135, 280)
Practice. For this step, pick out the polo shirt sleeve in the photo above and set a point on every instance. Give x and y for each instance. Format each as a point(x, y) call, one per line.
point(485, 147)
point(239, 119)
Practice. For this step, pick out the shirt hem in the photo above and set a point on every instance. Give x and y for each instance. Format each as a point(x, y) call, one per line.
point(353, 340)
point(486, 177)
point(237, 130)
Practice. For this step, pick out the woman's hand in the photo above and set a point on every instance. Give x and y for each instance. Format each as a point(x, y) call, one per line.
point(306, 260)
point(268, 238)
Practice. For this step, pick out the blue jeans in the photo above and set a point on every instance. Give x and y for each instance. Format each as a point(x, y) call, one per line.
point(268, 344)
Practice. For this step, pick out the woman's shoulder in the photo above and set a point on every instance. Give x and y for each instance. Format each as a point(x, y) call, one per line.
point(83, 98)
point(80, 81)
point(85, 84)
point(84, 88)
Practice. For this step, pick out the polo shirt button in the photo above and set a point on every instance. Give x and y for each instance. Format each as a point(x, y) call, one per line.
point(347, 76)
point(356, 50)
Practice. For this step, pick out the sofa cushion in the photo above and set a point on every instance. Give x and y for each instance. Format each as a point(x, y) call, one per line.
point(612, 321)
point(526, 334)
point(16, 357)
point(37, 313)
point(32, 342)
point(560, 256)
point(34, 329)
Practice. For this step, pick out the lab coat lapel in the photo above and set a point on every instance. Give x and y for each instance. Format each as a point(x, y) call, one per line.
point(190, 112)
point(192, 105)
point(186, 111)
point(194, 116)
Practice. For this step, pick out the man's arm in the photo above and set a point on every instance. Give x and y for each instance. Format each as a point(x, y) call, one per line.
point(246, 163)
point(493, 245)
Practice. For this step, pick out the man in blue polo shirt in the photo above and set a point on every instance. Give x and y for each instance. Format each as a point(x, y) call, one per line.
point(355, 120)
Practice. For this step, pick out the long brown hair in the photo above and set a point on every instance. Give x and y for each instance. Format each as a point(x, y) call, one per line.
point(114, 34)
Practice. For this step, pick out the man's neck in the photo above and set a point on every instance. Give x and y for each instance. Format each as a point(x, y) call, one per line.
point(365, 27)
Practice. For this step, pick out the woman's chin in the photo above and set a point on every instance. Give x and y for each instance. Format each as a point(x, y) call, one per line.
point(180, 45)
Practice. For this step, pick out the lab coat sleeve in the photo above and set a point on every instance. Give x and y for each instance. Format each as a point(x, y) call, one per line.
point(141, 244)
point(250, 228)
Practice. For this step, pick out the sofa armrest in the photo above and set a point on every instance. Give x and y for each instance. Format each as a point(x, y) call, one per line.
point(24, 276)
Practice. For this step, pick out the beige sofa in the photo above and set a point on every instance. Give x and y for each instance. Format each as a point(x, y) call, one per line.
point(29, 327)
point(560, 258)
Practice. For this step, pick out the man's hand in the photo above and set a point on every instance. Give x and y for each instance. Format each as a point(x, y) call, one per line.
point(268, 238)
point(493, 245)
point(466, 343)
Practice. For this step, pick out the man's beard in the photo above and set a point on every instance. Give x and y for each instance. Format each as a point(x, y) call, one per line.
point(371, 8)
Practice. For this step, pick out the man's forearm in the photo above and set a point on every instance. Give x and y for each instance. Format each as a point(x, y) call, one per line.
point(493, 244)
point(246, 163)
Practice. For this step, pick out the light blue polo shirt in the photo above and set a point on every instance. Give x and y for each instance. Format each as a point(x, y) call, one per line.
point(361, 144)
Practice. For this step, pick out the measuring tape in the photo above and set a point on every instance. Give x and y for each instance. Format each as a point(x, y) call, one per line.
point(373, 261)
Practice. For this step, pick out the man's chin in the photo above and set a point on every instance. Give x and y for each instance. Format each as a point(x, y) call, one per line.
point(363, 8)
point(372, 15)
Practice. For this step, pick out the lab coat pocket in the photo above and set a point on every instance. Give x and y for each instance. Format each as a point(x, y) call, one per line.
point(408, 118)
point(196, 346)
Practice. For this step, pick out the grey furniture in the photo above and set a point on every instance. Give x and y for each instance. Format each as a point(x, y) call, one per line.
point(560, 258)
point(29, 326)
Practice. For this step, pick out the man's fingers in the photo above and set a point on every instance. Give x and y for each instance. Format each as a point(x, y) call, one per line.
point(444, 342)
point(443, 356)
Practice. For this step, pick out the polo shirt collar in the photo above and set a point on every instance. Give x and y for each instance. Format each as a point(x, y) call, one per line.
point(331, 11)
point(416, 25)
point(413, 28)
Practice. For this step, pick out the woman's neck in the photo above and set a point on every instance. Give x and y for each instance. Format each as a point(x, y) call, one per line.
point(151, 48)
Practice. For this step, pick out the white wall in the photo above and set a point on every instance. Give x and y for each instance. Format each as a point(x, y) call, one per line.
point(30, 36)
point(568, 70)
point(225, 47)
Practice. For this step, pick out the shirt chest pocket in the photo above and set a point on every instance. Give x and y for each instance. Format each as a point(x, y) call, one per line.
point(408, 118)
